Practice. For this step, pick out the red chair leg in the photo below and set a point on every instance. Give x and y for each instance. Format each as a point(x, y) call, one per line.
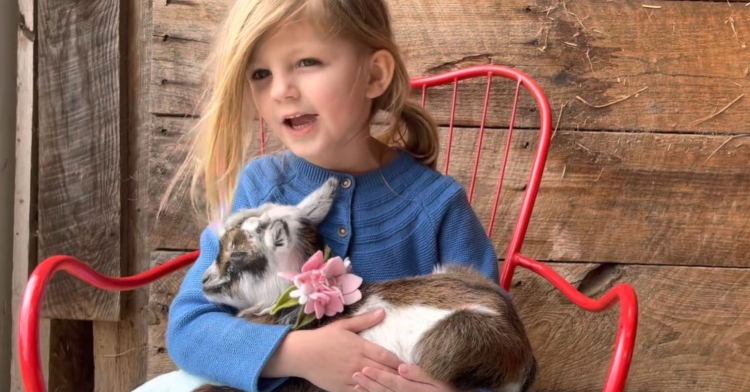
point(626, 331)
point(31, 303)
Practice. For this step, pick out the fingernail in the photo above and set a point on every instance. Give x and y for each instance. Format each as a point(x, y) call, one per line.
point(379, 312)
point(403, 369)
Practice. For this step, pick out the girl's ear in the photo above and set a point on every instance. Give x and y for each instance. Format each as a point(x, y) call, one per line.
point(382, 67)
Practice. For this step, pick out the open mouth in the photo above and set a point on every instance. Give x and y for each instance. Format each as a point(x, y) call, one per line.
point(300, 121)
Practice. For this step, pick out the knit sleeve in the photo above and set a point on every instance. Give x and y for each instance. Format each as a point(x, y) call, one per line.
point(462, 239)
point(205, 339)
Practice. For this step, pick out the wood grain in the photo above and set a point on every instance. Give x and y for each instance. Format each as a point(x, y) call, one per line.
point(80, 150)
point(120, 347)
point(25, 189)
point(599, 51)
point(620, 197)
point(691, 333)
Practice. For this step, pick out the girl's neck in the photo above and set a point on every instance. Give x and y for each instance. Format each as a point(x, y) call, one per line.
point(374, 155)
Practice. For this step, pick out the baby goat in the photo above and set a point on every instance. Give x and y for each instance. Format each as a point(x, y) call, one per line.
point(456, 324)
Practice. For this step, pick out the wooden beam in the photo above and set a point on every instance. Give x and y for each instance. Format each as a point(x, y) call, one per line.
point(120, 347)
point(600, 52)
point(24, 210)
point(8, 94)
point(676, 199)
point(691, 334)
point(80, 150)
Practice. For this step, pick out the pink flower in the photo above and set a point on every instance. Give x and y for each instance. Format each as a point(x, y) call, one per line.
point(324, 287)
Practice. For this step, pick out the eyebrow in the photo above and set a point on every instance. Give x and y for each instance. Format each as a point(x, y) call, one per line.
point(293, 51)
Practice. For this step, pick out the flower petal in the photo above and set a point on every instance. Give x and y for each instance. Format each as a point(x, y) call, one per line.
point(309, 307)
point(334, 268)
point(349, 283)
point(354, 296)
point(334, 306)
point(319, 309)
point(314, 262)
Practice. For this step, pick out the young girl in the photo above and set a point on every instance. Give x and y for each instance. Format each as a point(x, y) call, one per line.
point(317, 71)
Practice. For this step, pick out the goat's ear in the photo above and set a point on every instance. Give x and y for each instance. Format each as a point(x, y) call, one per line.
point(317, 204)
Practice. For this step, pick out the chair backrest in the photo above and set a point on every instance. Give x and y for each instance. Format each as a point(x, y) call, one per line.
point(531, 188)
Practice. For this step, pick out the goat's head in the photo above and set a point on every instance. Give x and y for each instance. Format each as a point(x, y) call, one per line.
point(256, 244)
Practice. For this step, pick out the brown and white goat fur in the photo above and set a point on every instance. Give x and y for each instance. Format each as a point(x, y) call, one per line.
point(455, 324)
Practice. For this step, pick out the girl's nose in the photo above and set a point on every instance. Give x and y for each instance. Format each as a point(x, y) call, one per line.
point(283, 88)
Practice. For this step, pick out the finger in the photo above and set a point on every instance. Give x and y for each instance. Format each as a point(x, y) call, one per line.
point(396, 383)
point(418, 375)
point(359, 323)
point(369, 384)
point(381, 355)
point(414, 373)
point(370, 363)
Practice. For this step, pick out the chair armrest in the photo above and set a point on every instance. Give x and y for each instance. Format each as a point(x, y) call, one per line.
point(626, 331)
point(31, 303)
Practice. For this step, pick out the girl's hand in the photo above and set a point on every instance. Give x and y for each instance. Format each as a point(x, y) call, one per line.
point(330, 355)
point(410, 378)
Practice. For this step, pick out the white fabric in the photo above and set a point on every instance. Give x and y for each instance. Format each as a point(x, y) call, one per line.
point(177, 381)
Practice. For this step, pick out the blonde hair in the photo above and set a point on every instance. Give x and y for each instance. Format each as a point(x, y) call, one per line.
point(222, 136)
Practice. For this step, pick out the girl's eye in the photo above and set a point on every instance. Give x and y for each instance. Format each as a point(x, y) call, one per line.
point(308, 62)
point(261, 74)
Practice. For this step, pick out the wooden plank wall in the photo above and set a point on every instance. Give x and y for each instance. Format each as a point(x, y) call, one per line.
point(85, 188)
point(120, 347)
point(640, 186)
point(646, 182)
point(80, 162)
point(80, 149)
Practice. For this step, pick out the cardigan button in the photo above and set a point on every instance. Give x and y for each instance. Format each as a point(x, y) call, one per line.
point(342, 231)
point(346, 183)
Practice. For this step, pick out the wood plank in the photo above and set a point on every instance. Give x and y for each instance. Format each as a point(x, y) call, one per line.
point(598, 51)
point(8, 64)
point(80, 150)
point(25, 189)
point(120, 347)
point(691, 334)
point(676, 199)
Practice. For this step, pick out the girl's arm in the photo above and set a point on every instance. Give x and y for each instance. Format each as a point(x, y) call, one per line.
point(207, 340)
point(462, 239)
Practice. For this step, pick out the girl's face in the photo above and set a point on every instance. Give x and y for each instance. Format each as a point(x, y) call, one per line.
point(313, 92)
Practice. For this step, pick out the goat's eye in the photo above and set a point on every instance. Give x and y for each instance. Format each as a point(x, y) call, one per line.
point(277, 234)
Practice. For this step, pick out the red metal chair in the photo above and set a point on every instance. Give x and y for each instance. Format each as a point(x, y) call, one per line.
point(28, 339)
